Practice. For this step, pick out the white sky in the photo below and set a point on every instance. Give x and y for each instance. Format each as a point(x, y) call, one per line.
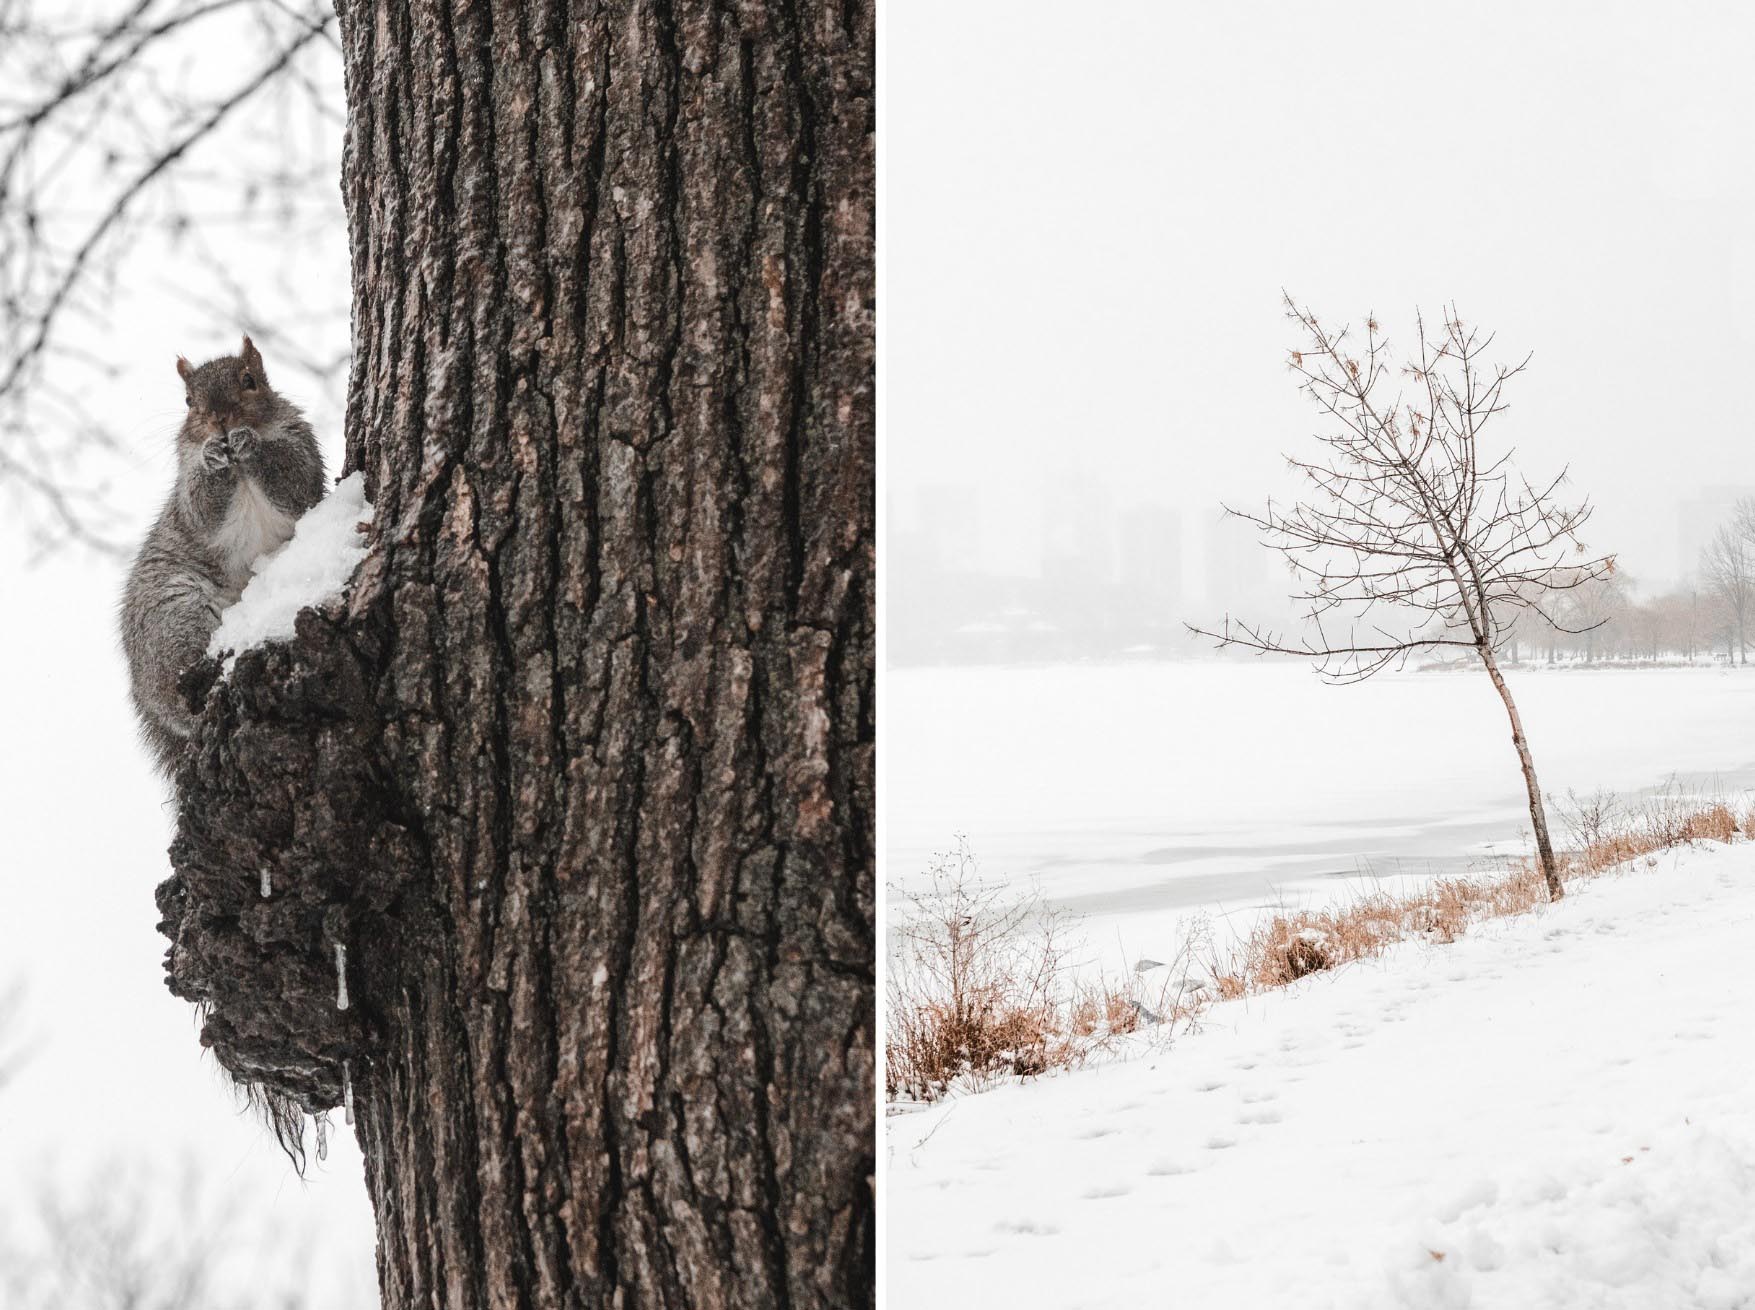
point(1092, 210)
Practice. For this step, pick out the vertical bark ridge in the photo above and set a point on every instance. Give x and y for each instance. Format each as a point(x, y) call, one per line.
point(629, 478)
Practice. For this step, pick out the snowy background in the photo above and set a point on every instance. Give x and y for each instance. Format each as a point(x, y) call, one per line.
point(116, 1132)
point(115, 1097)
point(1084, 356)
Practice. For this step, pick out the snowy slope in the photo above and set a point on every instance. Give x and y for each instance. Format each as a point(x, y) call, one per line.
point(1557, 1110)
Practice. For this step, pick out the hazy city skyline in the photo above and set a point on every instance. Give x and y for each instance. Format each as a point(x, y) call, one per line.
point(969, 564)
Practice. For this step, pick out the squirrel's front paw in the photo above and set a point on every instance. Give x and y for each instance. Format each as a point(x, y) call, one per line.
point(243, 441)
point(216, 452)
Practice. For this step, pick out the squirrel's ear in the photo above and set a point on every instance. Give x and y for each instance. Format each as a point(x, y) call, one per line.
point(253, 360)
point(184, 368)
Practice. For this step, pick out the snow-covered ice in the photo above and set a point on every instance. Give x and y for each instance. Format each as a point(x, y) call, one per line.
point(1132, 794)
point(1554, 1111)
point(312, 568)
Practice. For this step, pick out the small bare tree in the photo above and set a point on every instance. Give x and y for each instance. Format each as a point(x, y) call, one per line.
point(1411, 539)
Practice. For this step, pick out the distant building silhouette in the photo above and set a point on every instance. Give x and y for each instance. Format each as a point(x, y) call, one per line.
point(1699, 517)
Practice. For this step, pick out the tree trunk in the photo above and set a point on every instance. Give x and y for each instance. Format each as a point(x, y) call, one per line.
point(581, 776)
point(1538, 814)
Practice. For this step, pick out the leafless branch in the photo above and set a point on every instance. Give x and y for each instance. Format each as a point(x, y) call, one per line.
point(1410, 539)
point(115, 124)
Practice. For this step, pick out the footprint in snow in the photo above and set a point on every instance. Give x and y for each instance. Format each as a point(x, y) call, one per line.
point(1026, 1227)
point(1220, 1143)
point(1107, 1193)
point(1091, 1135)
point(1168, 1169)
point(1262, 1116)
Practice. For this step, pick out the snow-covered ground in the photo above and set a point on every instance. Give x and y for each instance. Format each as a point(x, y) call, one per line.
point(1552, 1112)
point(1131, 794)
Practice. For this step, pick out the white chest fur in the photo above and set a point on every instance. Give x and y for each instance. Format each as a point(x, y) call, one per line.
point(253, 526)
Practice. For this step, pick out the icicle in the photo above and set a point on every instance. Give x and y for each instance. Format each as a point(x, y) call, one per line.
point(267, 883)
point(347, 1088)
point(322, 1137)
point(340, 976)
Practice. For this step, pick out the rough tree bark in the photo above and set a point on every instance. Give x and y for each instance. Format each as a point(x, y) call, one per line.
point(581, 773)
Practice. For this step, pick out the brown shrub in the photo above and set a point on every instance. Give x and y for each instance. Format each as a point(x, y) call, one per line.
point(981, 988)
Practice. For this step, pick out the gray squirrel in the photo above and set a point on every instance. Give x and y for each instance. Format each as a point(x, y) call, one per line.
point(247, 467)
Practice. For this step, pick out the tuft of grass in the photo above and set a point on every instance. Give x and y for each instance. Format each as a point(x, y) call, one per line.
point(983, 987)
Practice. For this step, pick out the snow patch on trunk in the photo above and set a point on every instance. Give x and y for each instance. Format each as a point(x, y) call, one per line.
point(311, 569)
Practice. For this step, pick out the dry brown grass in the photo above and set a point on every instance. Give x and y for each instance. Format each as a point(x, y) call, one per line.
point(982, 986)
point(1606, 833)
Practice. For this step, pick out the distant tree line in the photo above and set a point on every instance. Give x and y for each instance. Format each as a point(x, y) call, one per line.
point(1709, 615)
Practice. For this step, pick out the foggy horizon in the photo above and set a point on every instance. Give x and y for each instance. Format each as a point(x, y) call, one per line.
point(1183, 564)
point(1113, 348)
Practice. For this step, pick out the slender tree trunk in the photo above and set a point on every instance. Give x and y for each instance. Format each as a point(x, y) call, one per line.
point(578, 790)
point(1538, 814)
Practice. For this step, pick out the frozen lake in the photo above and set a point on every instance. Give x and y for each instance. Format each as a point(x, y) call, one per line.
point(1134, 793)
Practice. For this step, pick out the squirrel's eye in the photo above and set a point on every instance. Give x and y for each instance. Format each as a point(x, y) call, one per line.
point(188, 400)
point(249, 382)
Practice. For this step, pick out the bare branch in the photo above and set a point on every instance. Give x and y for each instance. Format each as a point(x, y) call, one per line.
point(110, 130)
point(1406, 533)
